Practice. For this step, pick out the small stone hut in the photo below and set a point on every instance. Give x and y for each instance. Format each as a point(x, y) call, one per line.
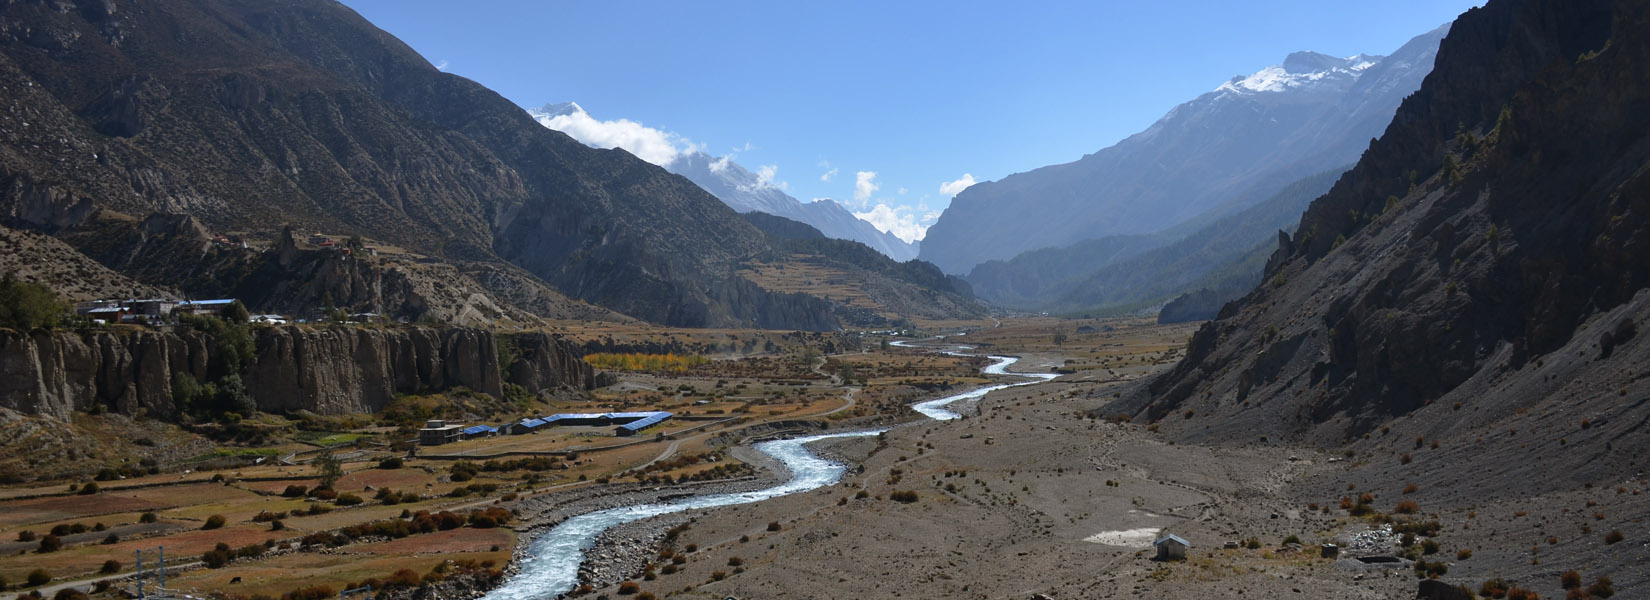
point(1171, 547)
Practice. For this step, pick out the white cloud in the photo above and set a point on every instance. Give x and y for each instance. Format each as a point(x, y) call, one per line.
point(828, 174)
point(721, 164)
point(902, 191)
point(765, 175)
point(901, 221)
point(441, 66)
point(864, 185)
point(952, 188)
point(649, 144)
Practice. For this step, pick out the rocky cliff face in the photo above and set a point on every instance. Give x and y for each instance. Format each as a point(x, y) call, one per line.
point(1481, 270)
point(329, 371)
point(246, 114)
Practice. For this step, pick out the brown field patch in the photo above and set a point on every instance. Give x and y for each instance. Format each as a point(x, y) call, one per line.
point(70, 508)
point(182, 547)
point(400, 479)
point(281, 574)
point(463, 539)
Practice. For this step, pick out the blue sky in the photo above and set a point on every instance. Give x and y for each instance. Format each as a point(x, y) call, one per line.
point(919, 94)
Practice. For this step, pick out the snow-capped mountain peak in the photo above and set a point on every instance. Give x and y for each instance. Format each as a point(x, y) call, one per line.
point(1303, 70)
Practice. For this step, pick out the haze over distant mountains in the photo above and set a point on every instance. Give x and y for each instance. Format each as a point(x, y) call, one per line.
point(735, 185)
point(1231, 147)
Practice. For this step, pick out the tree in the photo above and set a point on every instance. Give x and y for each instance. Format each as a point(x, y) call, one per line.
point(236, 313)
point(1059, 338)
point(25, 306)
point(329, 467)
point(39, 577)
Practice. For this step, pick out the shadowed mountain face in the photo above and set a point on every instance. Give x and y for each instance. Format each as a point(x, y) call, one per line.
point(1251, 136)
point(249, 114)
point(1481, 269)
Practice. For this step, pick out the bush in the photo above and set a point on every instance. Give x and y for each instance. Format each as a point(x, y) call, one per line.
point(1614, 536)
point(348, 500)
point(38, 577)
point(213, 522)
point(1603, 588)
point(217, 557)
point(736, 561)
point(629, 587)
point(295, 491)
point(773, 526)
point(88, 489)
point(393, 462)
point(1518, 593)
point(148, 517)
point(110, 566)
point(111, 539)
point(25, 536)
point(1407, 507)
point(905, 497)
point(1570, 579)
point(50, 543)
point(26, 306)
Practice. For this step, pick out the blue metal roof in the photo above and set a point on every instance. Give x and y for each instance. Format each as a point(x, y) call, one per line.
point(531, 423)
point(651, 419)
point(479, 429)
point(214, 302)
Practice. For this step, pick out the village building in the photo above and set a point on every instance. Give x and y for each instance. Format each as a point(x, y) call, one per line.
point(1171, 547)
point(204, 307)
point(437, 432)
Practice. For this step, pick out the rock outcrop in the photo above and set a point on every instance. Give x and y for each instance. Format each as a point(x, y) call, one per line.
point(334, 370)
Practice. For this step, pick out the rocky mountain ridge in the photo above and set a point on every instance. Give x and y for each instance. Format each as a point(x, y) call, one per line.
point(1474, 274)
point(1274, 127)
point(748, 192)
point(246, 115)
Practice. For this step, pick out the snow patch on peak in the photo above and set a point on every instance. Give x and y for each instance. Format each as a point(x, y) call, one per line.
point(1302, 70)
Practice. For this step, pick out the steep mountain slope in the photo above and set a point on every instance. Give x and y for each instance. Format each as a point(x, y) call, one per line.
point(1477, 279)
point(746, 192)
point(1113, 272)
point(249, 114)
point(1278, 125)
point(868, 288)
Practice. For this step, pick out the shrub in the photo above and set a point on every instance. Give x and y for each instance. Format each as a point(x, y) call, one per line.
point(1292, 539)
point(110, 566)
point(25, 536)
point(629, 587)
point(905, 497)
point(719, 575)
point(148, 517)
point(38, 577)
point(348, 500)
point(1570, 579)
point(50, 543)
point(1494, 588)
point(1405, 458)
point(88, 489)
point(213, 522)
point(1518, 593)
point(295, 491)
point(217, 557)
point(1463, 554)
point(1407, 507)
point(736, 561)
point(111, 539)
point(1614, 536)
point(1603, 588)
point(393, 462)
point(773, 526)
point(69, 593)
